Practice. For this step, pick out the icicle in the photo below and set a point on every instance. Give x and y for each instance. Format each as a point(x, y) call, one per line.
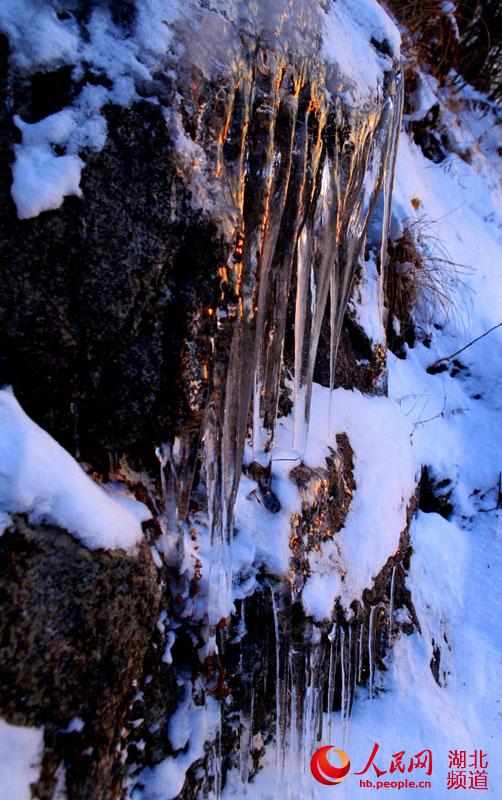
point(360, 659)
point(317, 722)
point(307, 720)
point(302, 310)
point(296, 786)
point(219, 589)
point(162, 459)
point(391, 604)
point(293, 174)
point(350, 692)
point(280, 699)
point(342, 663)
point(247, 704)
point(313, 702)
point(332, 636)
point(395, 106)
point(293, 747)
point(217, 763)
point(246, 735)
point(332, 345)
point(315, 257)
point(370, 648)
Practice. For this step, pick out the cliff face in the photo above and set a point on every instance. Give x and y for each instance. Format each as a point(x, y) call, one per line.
point(191, 205)
point(221, 173)
point(75, 627)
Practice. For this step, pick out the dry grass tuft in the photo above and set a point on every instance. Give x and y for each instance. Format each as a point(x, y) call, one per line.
point(444, 38)
point(423, 285)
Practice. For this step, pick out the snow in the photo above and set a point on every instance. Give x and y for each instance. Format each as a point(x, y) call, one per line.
point(385, 472)
point(39, 478)
point(20, 758)
point(350, 27)
point(367, 306)
point(75, 725)
point(385, 477)
point(42, 180)
point(5, 521)
point(40, 40)
point(385, 480)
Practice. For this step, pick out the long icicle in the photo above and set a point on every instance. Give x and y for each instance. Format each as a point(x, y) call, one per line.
point(360, 659)
point(280, 698)
point(391, 604)
point(332, 636)
point(370, 648)
point(342, 664)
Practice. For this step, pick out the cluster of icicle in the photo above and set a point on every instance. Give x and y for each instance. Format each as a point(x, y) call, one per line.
point(312, 679)
point(306, 175)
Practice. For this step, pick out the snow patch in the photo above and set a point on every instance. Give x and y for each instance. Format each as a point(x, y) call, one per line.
point(20, 758)
point(40, 40)
point(352, 29)
point(41, 479)
point(41, 180)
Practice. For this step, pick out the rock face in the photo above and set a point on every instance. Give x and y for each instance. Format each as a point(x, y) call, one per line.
point(198, 280)
point(74, 631)
point(95, 300)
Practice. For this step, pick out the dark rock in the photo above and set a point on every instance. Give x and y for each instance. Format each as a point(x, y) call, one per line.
point(435, 494)
point(427, 134)
point(74, 629)
point(435, 664)
point(263, 477)
point(98, 298)
point(358, 364)
point(326, 497)
point(435, 369)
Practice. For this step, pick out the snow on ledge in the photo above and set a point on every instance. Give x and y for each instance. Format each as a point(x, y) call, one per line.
point(20, 758)
point(41, 479)
point(42, 179)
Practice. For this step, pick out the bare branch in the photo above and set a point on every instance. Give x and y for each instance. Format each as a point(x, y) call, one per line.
point(456, 353)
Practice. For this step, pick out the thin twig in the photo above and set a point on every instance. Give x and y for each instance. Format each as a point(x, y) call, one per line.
point(456, 353)
point(499, 498)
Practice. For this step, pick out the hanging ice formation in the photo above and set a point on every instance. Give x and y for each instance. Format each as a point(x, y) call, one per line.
point(292, 169)
point(315, 672)
point(294, 173)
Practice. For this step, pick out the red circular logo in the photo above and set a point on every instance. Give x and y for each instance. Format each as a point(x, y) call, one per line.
point(325, 772)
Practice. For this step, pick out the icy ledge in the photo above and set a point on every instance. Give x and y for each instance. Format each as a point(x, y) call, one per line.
point(41, 479)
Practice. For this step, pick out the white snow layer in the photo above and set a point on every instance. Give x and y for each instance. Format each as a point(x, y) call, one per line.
point(351, 26)
point(20, 756)
point(41, 479)
point(41, 179)
point(48, 162)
